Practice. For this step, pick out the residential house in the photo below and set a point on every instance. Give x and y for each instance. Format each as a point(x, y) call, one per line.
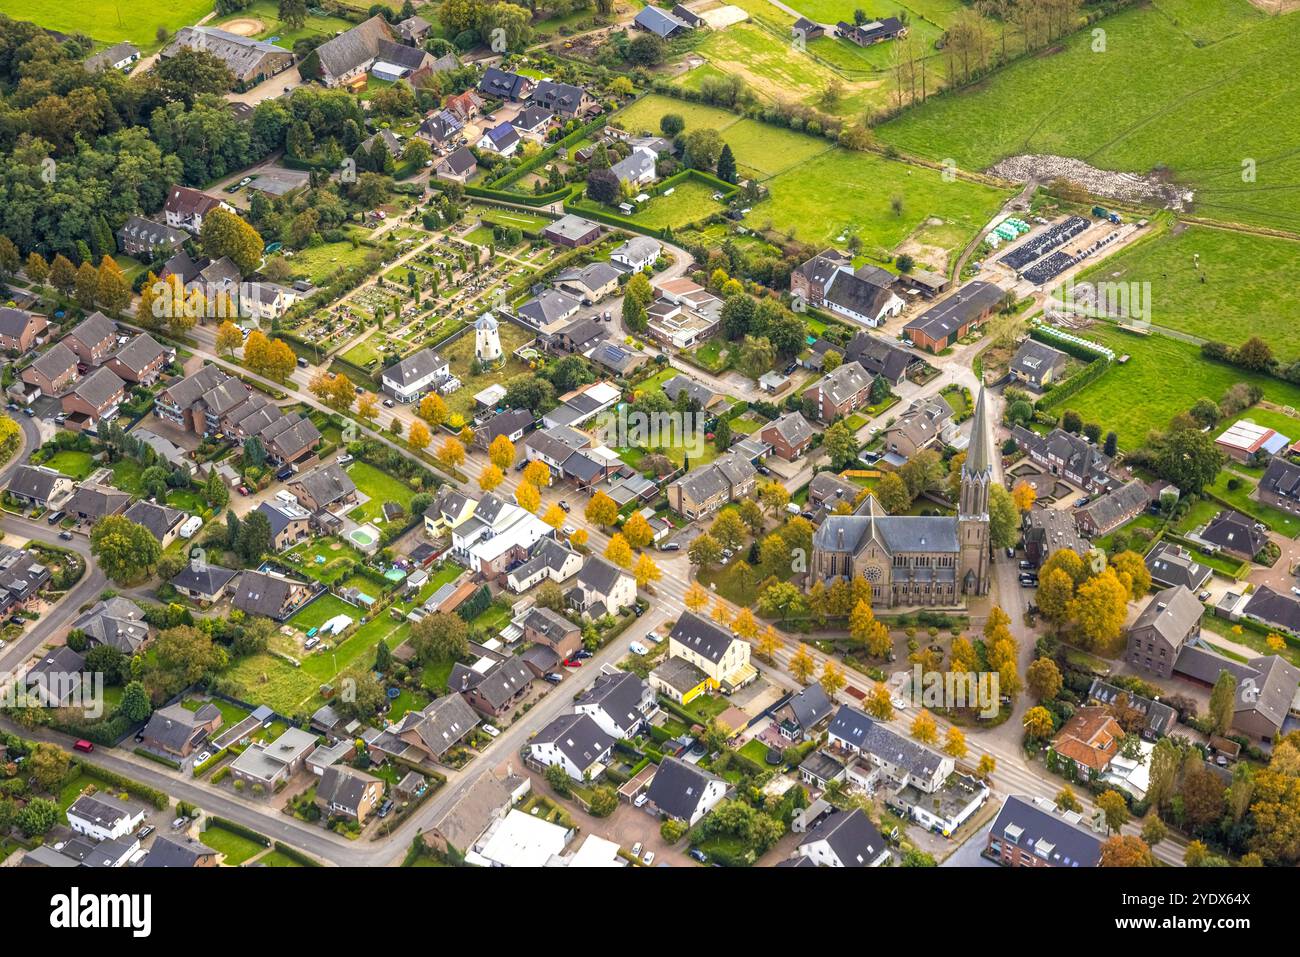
point(268, 765)
point(637, 168)
point(841, 391)
point(93, 339)
point(53, 371)
point(898, 760)
point(1170, 619)
point(439, 127)
point(502, 139)
point(119, 56)
point(705, 489)
point(533, 122)
point(844, 839)
point(576, 743)
point(695, 391)
point(487, 800)
point(1113, 509)
point(56, 678)
point(547, 309)
point(399, 61)
point(601, 588)
point(450, 508)
point(955, 317)
point(21, 579)
point(1171, 564)
point(616, 359)
point(1044, 531)
point(805, 29)
point(548, 560)
point(103, 817)
point(147, 240)
point(348, 793)
point(269, 595)
point(442, 724)
point(290, 523)
point(500, 85)
point(1280, 486)
point(1090, 738)
point(1037, 365)
point(563, 99)
point(203, 583)
point(457, 166)
point(874, 31)
point(919, 427)
point(583, 405)
point(1033, 833)
point(790, 436)
point(512, 423)
point(141, 361)
point(1236, 534)
point(1159, 719)
point(1274, 608)
point(880, 357)
point(683, 792)
point(267, 301)
point(465, 105)
point(326, 487)
point(250, 61)
point(186, 208)
point(421, 372)
point(176, 731)
point(495, 689)
point(619, 702)
point(168, 851)
point(1066, 455)
point(414, 30)
point(20, 330)
point(117, 622)
point(679, 680)
point(94, 399)
point(542, 626)
point(163, 522)
point(721, 655)
point(38, 485)
point(347, 58)
point(91, 502)
point(802, 713)
point(637, 253)
point(571, 231)
point(591, 283)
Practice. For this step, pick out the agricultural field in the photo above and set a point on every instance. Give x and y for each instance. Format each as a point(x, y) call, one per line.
point(1162, 378)
point(1215, 284)
point(1197, 87)
point(108, 22)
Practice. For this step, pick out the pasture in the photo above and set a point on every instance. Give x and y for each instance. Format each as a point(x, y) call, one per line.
point(1162, 378)
point(1215, 284)
point(111, 21)
point(1197, 87)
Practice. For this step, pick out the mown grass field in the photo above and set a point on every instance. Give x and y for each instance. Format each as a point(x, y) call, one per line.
point(268, 12)
point(821, 192)
point(1162, 378)
point(1199, 86)
point(110, 21)
point(1248, 288)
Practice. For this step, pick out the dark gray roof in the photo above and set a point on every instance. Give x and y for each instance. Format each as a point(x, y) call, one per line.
point(459, 162)
point(599, 575)
point(96, 501)
point(350, 50)
point(578, 737)
point(618, 695)
point(810, 706)
point(55, 361)
point(109, 56)
point(560, 97)
point(1111, 508)
point(116, 621)
point(851, 836)
point(549, 624)
point(261, 594)
point(857, 295)
point(170, 851)
point(702, 636)
point(899, 534)
point(153, 235)
point(498, 684)
point(659, 22)
point(1282, 478)
point(172, 727)
point(100, 808)
point(344, 787)
point(879, 356)
point(503, 85)
point(1160, 717)
point(792, 427)
point(1274, 608)
point(442, 723)
point(206, 579)
point(94, 329)
point(137, 354)
point(416, 366)
point(1172, 613)
point(1235, 532)
point(100, 387)
point(698, 391)
point(549, 306)
point(1046, 834)
point(844, 381)
point(1035, 359)
point(158, 519)
point(1170, 564)
point(327, 483)
point(852, 725)
point(680, 674)
point(678, 787)
point(943, 319)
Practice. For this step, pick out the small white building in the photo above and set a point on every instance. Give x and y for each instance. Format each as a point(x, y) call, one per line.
point(103, 817)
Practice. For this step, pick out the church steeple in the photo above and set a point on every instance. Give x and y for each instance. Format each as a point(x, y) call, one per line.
point(977, 455)
point(973, 507)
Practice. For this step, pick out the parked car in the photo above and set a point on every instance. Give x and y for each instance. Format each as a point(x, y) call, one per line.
point(636, 849)
point(65, 535)
point(1203, 596)
point(649, 858)
point(55, 517)
point(564, 505)
point(84, 746)
point(1025, 564)
point(572, 663)
point(553, 677)
point(344, 459)
point(302, 362)
point(179, 823)
point(145, 831)
point(568, 530)
point(671, 547)
point(699, 855)
point(763, 470)
point(638, 649)
point(385, 808)
point(285, 473)
point(641, 800)
point(243, 490)
point(491, 730)
point(28, 412)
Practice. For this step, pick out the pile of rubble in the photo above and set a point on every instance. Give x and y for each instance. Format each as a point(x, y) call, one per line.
point(1128, 187)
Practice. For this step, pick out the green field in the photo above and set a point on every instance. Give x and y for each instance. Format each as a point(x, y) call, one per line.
point(1163, 378)
point(110, 22)
point(1198, 86)
point(380, 487)
point(236, 847)
point(842, 192)
point(75, 465)
point(643, 115)
point(1248, 288)
point(268, 12)
point(690, 202)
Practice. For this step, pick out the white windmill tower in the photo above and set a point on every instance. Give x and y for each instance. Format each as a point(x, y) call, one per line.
point(487, 340)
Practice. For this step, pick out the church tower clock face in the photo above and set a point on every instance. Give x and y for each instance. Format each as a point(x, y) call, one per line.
point(873, 574)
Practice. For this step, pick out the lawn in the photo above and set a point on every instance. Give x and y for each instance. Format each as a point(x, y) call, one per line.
point(236, 847)
point(356, 649)
point(317, 264)
point(644, 114)
point(277, 859)
point(276, 32)
point(1247, 288)
point(272, 681)
point(109, 22)
point(460, 356)
point(1162, 378)
point(1197, 86)
point(323, 558)
point(75, 465)
point(379, 487)
point(690, 202)
point(839, 193)
point(766, 150)
point(1239, 498)
point(322, 610)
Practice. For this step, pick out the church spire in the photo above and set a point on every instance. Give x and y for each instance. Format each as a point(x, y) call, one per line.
point(977, 455)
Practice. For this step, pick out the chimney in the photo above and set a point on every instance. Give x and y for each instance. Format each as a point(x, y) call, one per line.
point(464, 682)
point(839, 538)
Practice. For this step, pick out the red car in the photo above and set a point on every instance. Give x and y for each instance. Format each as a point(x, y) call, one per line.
point(573, 663)
point(83, 745)
point(243, 490)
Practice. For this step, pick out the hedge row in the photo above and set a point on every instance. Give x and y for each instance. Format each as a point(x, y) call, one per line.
point(526, 167)
point(296, 855)
point(236, 828)
point(1085, 376)
point(1044, 335)
point(134, 788)
point(158, 759)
